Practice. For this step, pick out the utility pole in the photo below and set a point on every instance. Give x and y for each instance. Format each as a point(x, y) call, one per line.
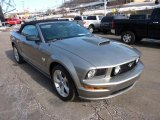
point(105, 7)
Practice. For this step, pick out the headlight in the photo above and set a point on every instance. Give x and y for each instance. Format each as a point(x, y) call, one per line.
point(117, 70)
point(91, 73)
point(96, 73)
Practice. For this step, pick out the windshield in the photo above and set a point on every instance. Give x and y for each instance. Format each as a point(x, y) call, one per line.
point(62, 30)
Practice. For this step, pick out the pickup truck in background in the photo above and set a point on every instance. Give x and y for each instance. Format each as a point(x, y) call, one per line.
point(93, 23)
point(133, 30)
point(12, 21)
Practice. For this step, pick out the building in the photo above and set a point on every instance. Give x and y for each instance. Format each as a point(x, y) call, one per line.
point(91, 5)
point(138, 0)
point(100, 4)
point(113, 7)
point(121, 2)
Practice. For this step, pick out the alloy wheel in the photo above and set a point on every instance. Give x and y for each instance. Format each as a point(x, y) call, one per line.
point(16, 55)
point(127, 38)
point(61, 83)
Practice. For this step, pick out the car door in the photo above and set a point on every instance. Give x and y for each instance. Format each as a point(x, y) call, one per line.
point(154, 26)
point(32, 49)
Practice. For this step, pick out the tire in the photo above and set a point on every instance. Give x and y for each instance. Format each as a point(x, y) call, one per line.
point(18, 58)
point(128, 37)
point(91, 28)
point(63, 84)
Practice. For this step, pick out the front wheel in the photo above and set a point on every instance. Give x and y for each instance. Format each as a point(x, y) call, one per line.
point(63, 84)
point(128, 37)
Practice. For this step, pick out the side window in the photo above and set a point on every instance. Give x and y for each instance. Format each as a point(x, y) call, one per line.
point(30, 30)
point(104, 19)
point(78, 18)
point(91, 18)
point(107, 19)
point(100, 17)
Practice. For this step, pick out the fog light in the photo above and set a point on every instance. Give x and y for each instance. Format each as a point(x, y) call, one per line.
point(91, 73)
point(117, 70)
point(93, 87)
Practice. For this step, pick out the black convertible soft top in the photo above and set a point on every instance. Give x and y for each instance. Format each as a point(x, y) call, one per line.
point(38, 21)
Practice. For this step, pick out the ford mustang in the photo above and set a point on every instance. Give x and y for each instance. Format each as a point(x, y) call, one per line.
point(78, 62)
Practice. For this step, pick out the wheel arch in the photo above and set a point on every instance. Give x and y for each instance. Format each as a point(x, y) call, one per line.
point(55, 63)
point(125, 30)
point(91, 25)
point(70, 69)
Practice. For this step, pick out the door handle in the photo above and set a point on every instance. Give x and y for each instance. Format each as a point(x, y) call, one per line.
point(155, 22)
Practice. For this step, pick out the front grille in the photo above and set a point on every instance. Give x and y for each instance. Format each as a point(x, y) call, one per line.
point(124, 68)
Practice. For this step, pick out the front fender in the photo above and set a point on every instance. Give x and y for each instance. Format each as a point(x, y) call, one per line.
point(65, 62)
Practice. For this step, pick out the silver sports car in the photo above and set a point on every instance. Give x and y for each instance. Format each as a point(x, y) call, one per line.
point(78, 62)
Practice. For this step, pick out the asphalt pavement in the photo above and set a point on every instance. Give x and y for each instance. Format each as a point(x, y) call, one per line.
point(26, 94)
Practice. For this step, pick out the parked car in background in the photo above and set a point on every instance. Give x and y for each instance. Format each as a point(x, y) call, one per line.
point(134, 30)
point(106, 22)
point(93, 23)
point(80, 19)
point(12, 21)
point(78, 63)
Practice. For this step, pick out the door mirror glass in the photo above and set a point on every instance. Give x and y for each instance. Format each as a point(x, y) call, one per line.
point(32, 38)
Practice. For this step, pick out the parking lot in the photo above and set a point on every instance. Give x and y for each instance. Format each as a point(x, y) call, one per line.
point(26, 94)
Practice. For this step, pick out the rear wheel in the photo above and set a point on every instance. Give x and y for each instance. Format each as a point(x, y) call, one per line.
point(63, 84)
point(17, 56)
point(128, 37)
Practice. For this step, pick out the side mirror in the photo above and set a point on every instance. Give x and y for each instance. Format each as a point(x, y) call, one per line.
point(33, 38)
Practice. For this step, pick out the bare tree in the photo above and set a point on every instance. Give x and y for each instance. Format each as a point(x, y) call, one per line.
point(1, 14)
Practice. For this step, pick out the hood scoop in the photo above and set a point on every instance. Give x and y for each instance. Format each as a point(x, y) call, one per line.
point(97, 41)
point(104, 43)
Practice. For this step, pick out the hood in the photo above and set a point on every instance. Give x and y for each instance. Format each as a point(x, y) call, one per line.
point(98, 51)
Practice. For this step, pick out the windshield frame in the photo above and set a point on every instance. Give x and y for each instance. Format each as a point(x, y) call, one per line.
point(62, 38)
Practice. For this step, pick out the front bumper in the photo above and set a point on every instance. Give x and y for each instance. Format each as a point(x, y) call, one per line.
point(113, 86)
